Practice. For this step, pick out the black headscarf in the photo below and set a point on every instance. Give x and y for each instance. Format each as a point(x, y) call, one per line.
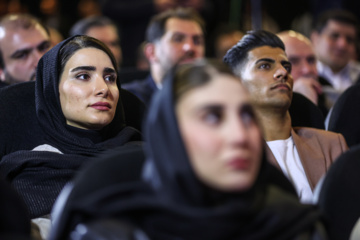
point(173, 204)
point(39, 176)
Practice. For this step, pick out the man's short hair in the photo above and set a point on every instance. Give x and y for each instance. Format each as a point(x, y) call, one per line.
point(338, 15)
point(18, 21)
point(82, 26)
point(237, 55)
point(156, 27)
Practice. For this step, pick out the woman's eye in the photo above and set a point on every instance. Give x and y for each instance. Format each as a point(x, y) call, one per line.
point(212, 118)
point(83, 76)
point(247, 115)
point(110, 78)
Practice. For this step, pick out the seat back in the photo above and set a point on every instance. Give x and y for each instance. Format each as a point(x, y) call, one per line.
point(340, 197)
point(344, 117)
point(305, 113)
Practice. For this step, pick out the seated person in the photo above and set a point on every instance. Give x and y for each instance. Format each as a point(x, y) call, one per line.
point(301, 55)
point(303, 154)
point(102, 28)
point(79, 109)
point(206, 175)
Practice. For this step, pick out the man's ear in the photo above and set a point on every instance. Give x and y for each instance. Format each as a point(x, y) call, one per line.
point(149, 51)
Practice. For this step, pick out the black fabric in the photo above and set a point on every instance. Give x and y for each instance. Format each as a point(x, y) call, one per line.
point(304, 113)
point(143, 89)
point(19, 126)
point(39, 176)
point(14, 217)
point(173, 204)
point(345, 116)
point(339, 197)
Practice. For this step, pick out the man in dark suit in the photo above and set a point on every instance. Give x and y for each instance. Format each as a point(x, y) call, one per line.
point(173, 37)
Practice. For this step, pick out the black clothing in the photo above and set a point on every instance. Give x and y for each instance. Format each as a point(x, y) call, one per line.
point(171, 203)
point(339, 197)
point(39, 176)
point(14, 218)
point(143, 89)
point(2, 84)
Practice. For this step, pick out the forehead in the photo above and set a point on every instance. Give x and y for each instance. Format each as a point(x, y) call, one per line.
point(102, 32)
point(185, 26)
point(222, 88)
point(276, 54)
point(340, 27)
point(89, 57)
point(298, 47)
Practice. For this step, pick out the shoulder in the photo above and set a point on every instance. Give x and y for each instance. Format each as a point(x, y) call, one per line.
point(323, 137)
point(307, 132)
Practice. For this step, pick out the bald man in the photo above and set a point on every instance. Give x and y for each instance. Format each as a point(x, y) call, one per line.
point(300, 53)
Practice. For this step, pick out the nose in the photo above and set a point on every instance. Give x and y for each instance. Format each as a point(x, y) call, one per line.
point(281, 73)
point(237, 133)
point(100, 87)
point(36, 55)
point(342, 42)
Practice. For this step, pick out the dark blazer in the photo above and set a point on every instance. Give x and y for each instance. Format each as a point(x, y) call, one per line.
point(143, 89)
point(317, 149)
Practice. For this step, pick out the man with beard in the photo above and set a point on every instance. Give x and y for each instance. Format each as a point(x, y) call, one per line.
point(173, 37)
point(23, 41)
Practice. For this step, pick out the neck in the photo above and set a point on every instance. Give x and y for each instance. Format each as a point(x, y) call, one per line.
point(157, 74)
point(276, 123)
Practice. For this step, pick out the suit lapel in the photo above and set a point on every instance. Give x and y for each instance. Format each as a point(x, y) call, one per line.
point(311, 158)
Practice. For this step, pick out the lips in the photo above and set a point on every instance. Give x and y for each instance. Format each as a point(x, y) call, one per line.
point(239, 164)
point(102, 106)
point(281, 86)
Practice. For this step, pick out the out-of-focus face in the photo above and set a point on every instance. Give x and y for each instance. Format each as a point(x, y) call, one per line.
point(266, 74)
point(21, 51)
point(183, 40)
point(108, 35)
point(219, 130)
point(301, 56)
point(335, 45)
point(88, 90)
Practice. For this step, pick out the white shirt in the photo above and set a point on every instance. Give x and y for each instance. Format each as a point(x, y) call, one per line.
point(341, 80)
point(287, 156)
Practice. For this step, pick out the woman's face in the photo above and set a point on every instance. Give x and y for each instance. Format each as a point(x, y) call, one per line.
point(88, 90)
point(220, 134)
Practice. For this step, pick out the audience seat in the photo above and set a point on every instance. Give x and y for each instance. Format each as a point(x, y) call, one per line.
point(344, 117)
point(305, 113)
point(339, 198)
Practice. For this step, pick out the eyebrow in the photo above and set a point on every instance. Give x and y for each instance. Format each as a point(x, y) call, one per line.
point(27, 50)
point(86, 68)
point(91, 68)
point(265, 60)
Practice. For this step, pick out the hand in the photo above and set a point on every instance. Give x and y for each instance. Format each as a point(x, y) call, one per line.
point(309, 87)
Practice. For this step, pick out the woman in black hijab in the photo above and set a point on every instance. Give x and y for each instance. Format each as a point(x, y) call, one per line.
point(205, 176)
point(79, 108)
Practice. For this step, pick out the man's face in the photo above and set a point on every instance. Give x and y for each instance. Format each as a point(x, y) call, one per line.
point(183, 41)
point(22, 50)
point(301, 57)
point(266, 74)
point(109, 36)
point(335, 45)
